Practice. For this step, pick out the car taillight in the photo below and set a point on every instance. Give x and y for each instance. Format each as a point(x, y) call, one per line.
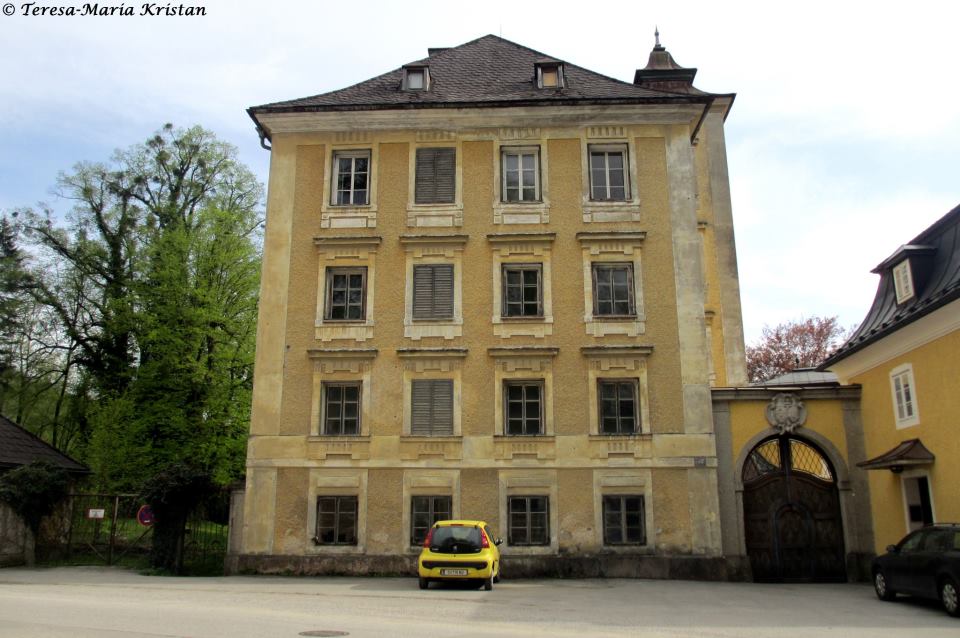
point(484, 541)
point(426, 541)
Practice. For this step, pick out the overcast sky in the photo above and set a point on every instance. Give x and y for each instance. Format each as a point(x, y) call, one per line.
point(843, 142)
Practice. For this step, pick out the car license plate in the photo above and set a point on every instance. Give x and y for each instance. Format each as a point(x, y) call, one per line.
point(453, 572)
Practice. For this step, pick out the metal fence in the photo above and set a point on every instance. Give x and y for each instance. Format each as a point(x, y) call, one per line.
point(103, 529)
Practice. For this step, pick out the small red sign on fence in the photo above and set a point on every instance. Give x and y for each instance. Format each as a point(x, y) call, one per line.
point(145, 516)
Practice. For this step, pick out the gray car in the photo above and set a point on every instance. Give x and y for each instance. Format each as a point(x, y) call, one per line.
point(926, 564)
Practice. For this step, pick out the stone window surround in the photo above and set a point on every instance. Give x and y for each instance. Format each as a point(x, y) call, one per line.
point(435, 215)
point(624, 482)
point(522, 248)
point(534, 363)
point(532, 482)
point(337, 365)
point(533, 212)
point(353, 215)
point(609, 211)
point(905, 373)
point(428, 482)
point(337, 482)
point(433, 249)
point(345, 252)
point(614, 363)
point(432, 363)
point(612, 247)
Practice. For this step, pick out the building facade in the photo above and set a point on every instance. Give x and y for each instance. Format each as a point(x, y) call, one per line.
point(496, 286)
point(905, 357)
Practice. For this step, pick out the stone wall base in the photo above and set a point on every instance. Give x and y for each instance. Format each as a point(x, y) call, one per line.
point(585, 566)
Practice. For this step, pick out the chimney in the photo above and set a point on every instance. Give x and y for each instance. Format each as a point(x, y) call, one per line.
point(432, 51)
point(662, 71)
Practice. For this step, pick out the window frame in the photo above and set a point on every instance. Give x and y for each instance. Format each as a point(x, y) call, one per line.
point(903, 388)
point(903, 281)
point(541, 400)
point(432, 427)
point(520, 152)
point(623, 528)
point(505, 305)
point(337, 499)
point(528, 515)
point(423, 71)
point(431, 316)
point(557, 68)
point(621, 148)
point(324, 417)
point(631, 289)
point(328, 305)
point(634, 384)
point(335, 175)
point(432, 515)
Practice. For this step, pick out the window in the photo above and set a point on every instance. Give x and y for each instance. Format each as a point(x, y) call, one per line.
point(416, 78)
point(431, 407)
point(618, 406)
point(522, 285)
point(346, 294)
point(550, 76)
point(623, 520)
point(529, 520)
point(436, 170)
point(520, 174)
point(903, 281)
point(613, 290)
point(341, 408)
point(424, 512)
point(336, 520)
point(608, 173)
point(433, 291)
point(351, 178)
point(523, 406)
point(904, 396)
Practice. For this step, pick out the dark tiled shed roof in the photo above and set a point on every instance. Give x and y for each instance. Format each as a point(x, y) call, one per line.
point(935, 265)
point(488, 71)
point(19, 447)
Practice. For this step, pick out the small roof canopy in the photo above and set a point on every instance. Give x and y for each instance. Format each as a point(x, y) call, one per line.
point(19, 447)
point(907, 454)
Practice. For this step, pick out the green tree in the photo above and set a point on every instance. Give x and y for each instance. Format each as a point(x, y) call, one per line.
point(162, 252)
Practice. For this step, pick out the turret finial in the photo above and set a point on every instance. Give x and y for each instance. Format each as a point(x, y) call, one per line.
point(656, 34)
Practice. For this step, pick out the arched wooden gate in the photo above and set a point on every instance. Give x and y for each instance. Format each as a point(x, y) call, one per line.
point(791, 509)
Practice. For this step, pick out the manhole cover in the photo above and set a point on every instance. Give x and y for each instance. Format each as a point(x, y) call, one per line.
point(324, 632)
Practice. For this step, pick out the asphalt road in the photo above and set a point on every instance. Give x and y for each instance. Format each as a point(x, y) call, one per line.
point(82, 602)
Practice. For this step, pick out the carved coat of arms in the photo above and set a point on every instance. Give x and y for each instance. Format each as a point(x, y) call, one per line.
point(786, 412)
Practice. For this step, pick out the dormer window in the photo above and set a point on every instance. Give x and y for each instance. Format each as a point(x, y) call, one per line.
point(903, 281)
point(549, 75)
point(416, 78)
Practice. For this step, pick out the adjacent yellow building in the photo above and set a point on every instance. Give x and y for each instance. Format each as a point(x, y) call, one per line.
point(496, 286)
point(905, 357)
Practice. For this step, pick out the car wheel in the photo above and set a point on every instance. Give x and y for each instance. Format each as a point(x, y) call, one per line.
point(424, 583)
point(949, 596)
point(883, 589)
point(488, 584)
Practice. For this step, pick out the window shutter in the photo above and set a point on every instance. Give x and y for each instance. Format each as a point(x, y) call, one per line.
point(436, 176)
point(431, 407)
point(433, 292)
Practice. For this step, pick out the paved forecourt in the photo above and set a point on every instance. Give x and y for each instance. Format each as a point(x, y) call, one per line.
point(83, 602)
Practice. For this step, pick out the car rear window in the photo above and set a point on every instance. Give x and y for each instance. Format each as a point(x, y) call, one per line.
point(455, 539)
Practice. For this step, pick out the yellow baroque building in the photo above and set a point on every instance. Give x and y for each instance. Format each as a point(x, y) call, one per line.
point(496, 286)
point(905, 358)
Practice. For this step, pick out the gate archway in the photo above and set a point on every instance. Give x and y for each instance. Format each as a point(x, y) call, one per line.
point(791, 507)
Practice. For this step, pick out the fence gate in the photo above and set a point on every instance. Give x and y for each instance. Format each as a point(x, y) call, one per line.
point(104, 529)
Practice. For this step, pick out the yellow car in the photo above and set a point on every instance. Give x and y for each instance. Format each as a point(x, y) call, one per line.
point(460, 550)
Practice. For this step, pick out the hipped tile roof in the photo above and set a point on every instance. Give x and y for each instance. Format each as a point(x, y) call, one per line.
point(488, 71)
